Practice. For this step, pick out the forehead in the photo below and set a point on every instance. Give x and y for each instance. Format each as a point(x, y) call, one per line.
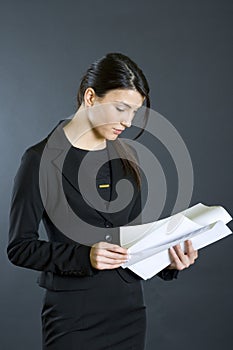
point(127, 96)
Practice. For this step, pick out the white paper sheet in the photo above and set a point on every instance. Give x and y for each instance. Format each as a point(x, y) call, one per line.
point(148, 244)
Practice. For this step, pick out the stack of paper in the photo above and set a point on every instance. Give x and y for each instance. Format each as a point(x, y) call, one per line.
point(148, 244)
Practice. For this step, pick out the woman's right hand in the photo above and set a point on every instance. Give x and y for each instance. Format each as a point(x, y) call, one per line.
point(105, 255)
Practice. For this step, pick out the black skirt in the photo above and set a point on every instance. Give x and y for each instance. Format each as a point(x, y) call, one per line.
point(109, 315)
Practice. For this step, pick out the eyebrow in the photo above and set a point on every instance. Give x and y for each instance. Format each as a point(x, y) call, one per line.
point(125, 104)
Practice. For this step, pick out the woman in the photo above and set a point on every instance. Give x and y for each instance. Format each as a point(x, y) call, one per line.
point(90, 301)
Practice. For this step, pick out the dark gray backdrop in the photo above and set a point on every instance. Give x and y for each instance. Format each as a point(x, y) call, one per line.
point(185, 50)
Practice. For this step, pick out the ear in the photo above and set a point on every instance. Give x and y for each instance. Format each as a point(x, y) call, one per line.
point(89, 97)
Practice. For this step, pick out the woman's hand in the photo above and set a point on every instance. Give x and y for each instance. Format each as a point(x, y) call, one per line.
point(105, 255)
point(181, 260)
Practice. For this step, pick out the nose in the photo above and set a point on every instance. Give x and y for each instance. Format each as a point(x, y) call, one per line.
point(127, 124)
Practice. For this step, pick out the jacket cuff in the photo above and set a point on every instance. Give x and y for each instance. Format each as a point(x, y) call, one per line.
point(81, 264)
point(168, 274)
point(83, 254)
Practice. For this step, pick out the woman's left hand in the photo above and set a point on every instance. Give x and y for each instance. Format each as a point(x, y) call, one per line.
point(181, 260)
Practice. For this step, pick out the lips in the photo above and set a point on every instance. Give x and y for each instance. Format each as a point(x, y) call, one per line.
point(118, 131)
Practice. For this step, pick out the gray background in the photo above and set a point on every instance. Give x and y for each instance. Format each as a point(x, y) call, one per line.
point(185, 50)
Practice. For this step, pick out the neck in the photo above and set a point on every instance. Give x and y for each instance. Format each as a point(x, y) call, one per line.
point(81, 134)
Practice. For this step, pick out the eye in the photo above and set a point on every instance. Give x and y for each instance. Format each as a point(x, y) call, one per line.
point(119, 109)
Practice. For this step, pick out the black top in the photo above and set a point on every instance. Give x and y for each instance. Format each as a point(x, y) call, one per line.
point(98, 167)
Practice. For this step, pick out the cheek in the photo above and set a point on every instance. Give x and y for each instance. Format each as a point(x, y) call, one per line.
point(110, 115)
point(104, 116)
point(105, 130)
point(113, 116)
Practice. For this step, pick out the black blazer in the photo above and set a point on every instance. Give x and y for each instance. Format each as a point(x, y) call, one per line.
point(64, 262)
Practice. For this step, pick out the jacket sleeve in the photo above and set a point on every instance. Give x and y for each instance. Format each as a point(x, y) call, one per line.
point(24, 248)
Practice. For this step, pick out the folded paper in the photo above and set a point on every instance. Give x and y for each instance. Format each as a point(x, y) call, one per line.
point(148, 243)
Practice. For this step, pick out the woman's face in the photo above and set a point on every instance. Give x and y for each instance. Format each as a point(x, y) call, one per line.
point(110, 115)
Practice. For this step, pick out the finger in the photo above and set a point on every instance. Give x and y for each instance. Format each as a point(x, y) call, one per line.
point(117, 248)
point(111, 255)
point(99, 253)
point(105, 263)
point(108, 266)
point(176, 262)
point(108, 260)
point(113, 247)
point(184, 258)
point(192, 254)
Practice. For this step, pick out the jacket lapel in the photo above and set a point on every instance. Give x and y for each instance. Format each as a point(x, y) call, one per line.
point(58, 146)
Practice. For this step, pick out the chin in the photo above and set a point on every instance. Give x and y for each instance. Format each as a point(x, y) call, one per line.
point(111, 137)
